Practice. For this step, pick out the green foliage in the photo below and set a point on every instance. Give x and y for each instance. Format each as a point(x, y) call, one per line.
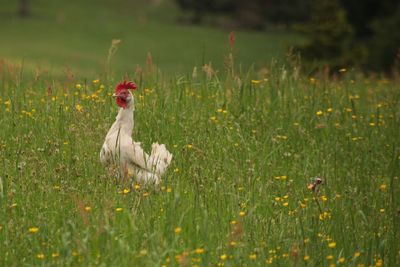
point(250, 14)
point(288, 11)
point(201, 8)
point(328, 31)
point(364, 36)
point(385, 43)
point(245, 148)
point(244, 14)
point(362, 16)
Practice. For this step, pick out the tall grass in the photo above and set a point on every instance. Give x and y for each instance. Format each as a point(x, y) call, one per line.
point(246, 145)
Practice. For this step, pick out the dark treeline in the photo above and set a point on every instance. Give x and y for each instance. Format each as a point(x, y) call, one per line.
point(340, 32)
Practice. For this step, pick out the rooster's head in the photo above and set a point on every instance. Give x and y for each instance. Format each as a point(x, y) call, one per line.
point(122, 94)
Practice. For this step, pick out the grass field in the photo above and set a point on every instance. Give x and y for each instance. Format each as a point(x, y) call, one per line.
point(245, 149)
point(71, 36)
point(249, 135)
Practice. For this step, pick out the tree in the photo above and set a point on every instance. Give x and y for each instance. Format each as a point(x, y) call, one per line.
point(201, 7)
point(287, 11)
point(24, 8)
point(328, 31)
point(385, 44)
point(362, 16)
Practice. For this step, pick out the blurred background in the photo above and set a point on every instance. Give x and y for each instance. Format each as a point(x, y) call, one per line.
point(177, 35)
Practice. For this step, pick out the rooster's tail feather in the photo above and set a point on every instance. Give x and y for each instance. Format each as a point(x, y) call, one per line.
point(160, 158)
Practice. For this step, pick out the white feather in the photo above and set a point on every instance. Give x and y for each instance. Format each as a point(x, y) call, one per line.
point(121, 151)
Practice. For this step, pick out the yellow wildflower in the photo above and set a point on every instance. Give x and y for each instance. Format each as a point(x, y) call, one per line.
point(78, 107)
point(33, 230)
point(126, 191)
point(324, 215)
point(306, 258)
point(199, 250)
point(40, 256)
point(319, 113)
point(78, 86)
point(329, 257)
point(119, 209)
point(253, 256)
point(255, 81)
point(332, 245)
point(178, 230)
point(223, 257)
point(242, 214)
point(55, 254)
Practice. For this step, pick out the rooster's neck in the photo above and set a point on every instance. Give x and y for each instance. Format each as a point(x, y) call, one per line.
point(124, 119)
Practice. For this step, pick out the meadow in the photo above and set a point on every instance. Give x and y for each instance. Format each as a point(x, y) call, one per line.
point(74, 37)
point(246, 148)
point(249, 135)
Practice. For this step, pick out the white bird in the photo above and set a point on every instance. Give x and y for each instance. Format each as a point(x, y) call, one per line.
point(121, 151)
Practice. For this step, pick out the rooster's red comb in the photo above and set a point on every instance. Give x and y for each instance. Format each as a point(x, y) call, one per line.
point(125, 85)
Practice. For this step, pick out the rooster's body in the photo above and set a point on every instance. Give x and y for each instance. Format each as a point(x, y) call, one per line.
point(121, 151)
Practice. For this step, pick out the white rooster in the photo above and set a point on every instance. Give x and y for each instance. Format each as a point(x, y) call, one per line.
point(128, 156)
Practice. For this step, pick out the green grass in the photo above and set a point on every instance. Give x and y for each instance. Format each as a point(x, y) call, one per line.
point(247, 141)
point(236, 194)
point(68, 36)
